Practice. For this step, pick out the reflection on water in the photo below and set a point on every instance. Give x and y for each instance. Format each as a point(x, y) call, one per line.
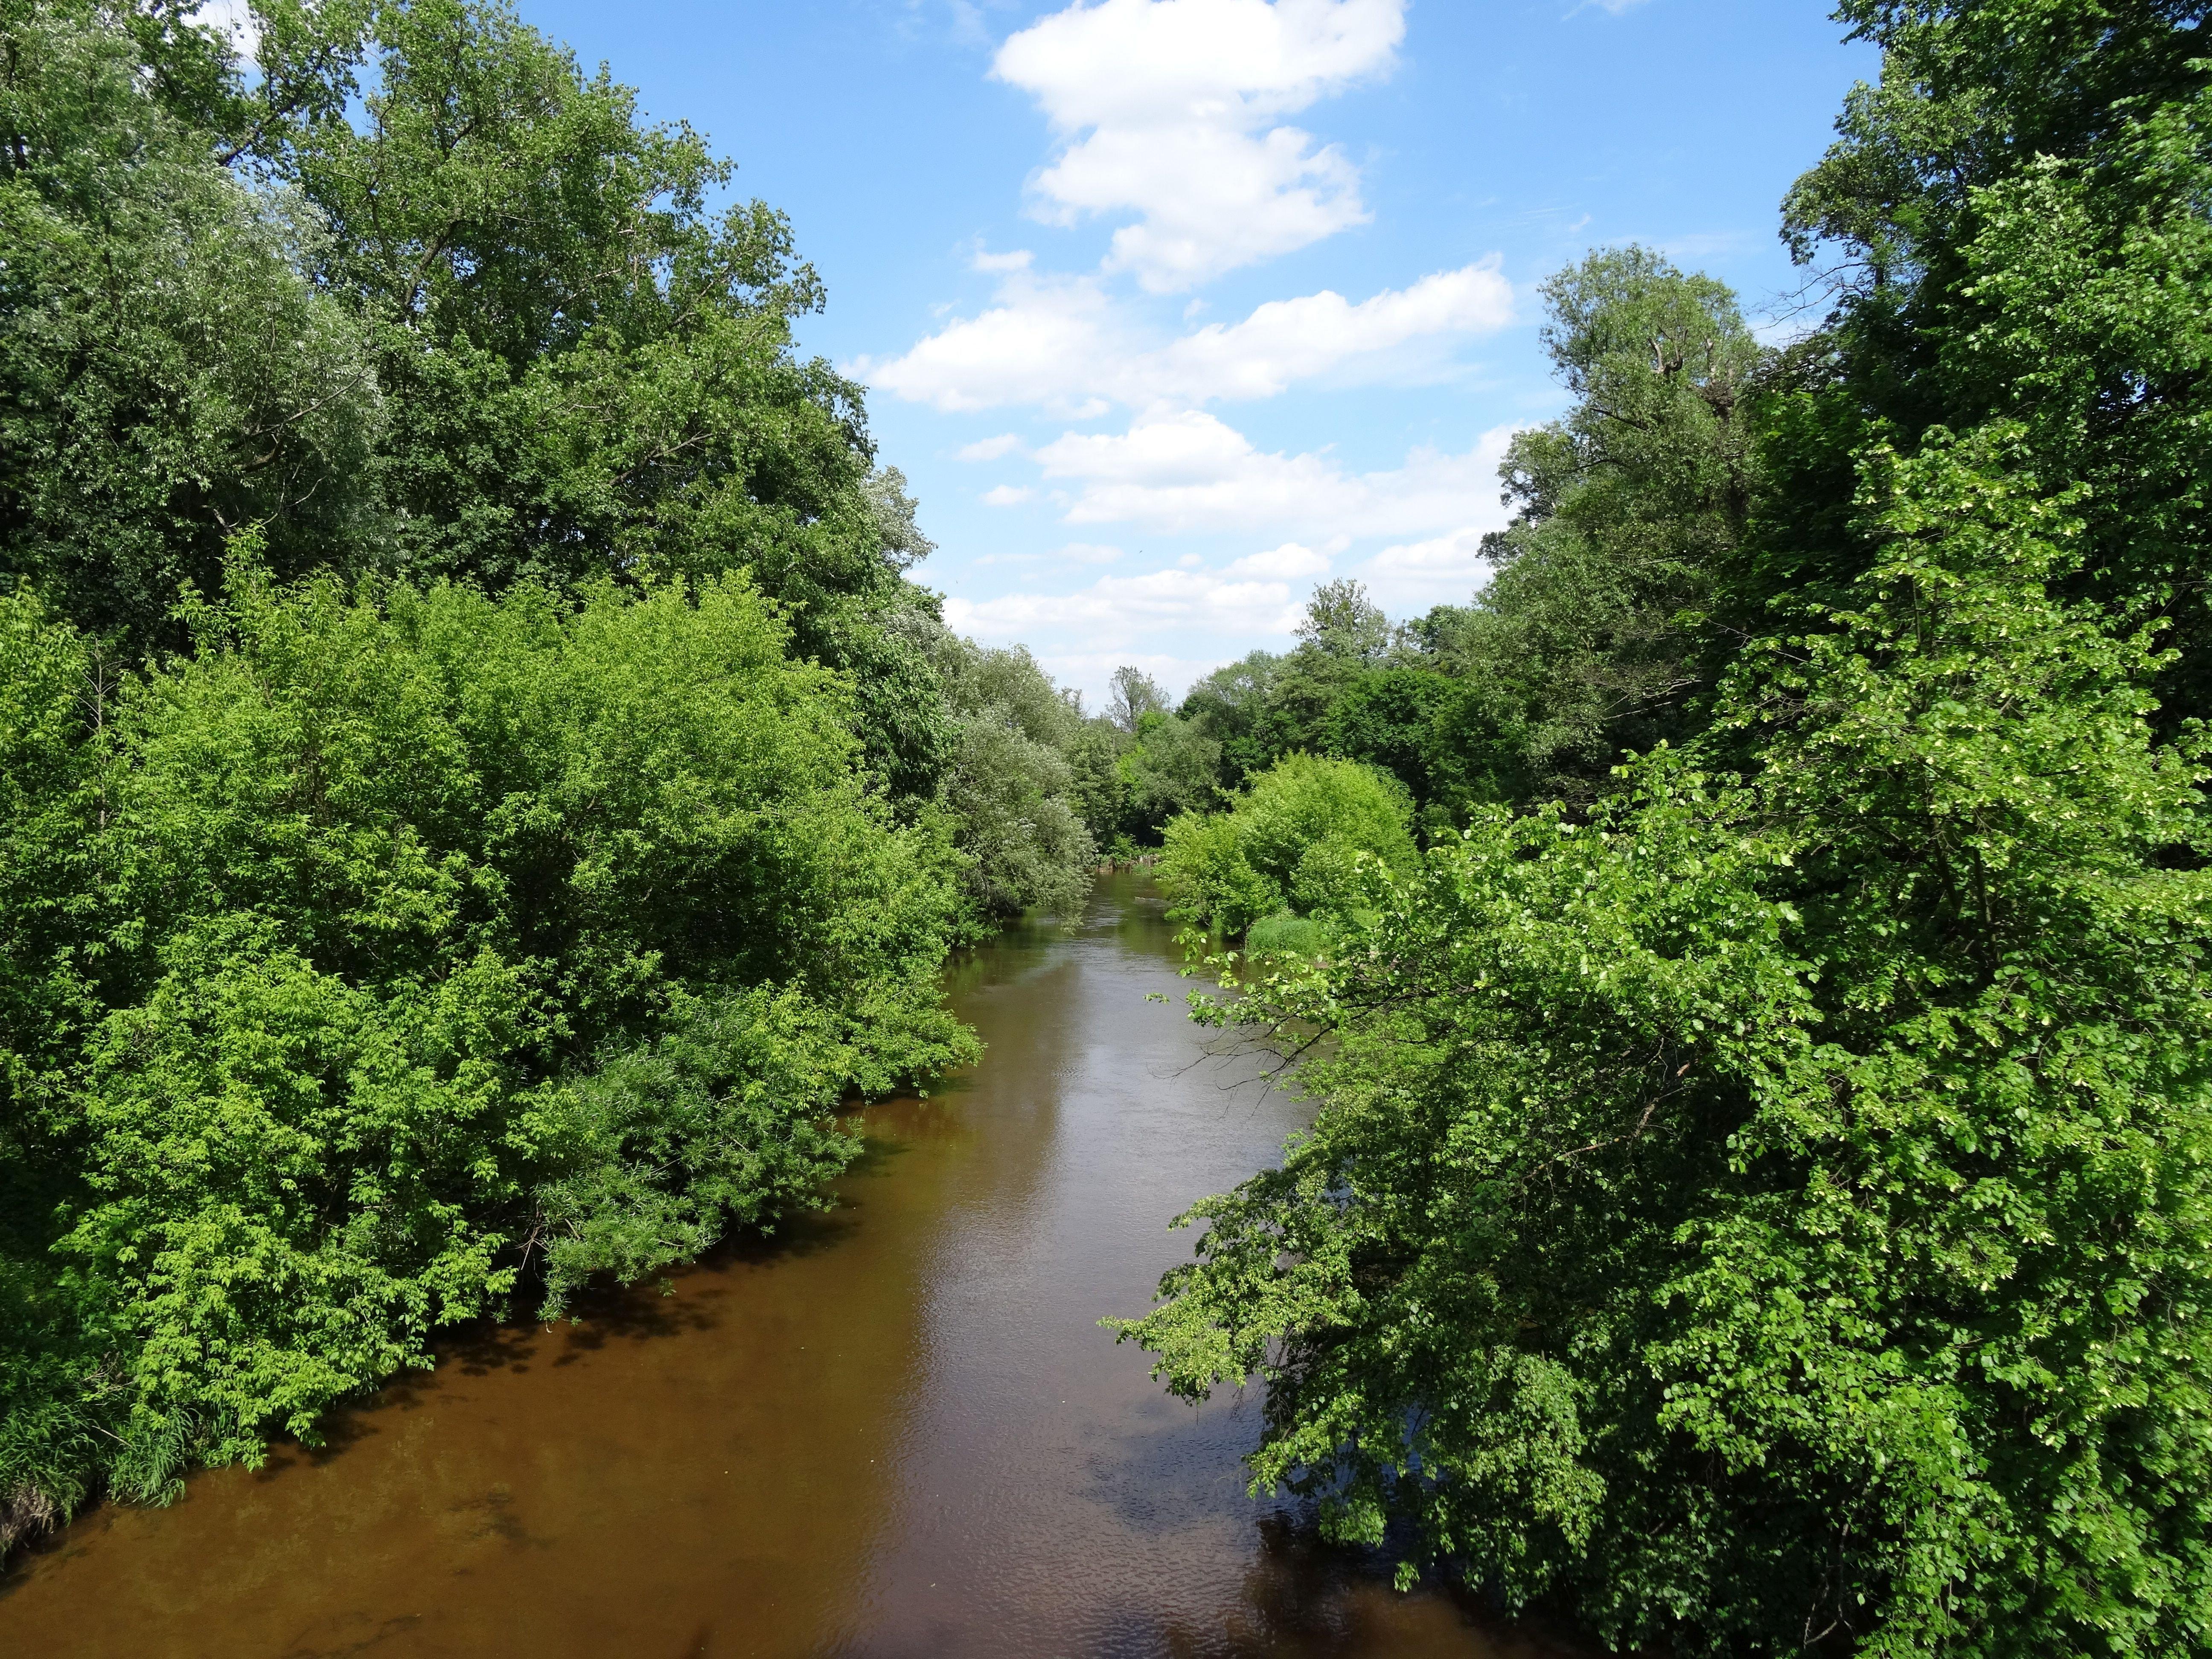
point(893, 1430)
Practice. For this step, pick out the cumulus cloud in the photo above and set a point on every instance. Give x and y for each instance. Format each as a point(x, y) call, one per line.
point(1061, 344)
point(1409, 577)
point(1285, 341)
point(1189, 471)
point(1045, 342)
point(1132, 610)
point(1169, 109)
point(1292, 562)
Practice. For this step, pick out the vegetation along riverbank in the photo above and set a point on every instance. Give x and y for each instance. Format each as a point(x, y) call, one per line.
point(481, 787)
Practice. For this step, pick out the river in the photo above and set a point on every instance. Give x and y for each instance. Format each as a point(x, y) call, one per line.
point(895, 1429)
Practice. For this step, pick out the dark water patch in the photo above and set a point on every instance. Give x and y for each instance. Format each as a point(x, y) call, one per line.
point(892, 1430)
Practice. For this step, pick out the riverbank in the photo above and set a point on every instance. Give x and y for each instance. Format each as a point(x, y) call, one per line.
point(893, 1428)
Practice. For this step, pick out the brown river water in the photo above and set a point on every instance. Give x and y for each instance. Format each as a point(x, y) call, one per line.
point(895, 1429)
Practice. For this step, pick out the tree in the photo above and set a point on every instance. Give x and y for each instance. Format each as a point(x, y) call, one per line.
point(1775, 1209)
point(1628, 508)
point(1131, 695)
point(2012, 224)
point(1342, 622)
point(1237, 708)
point(168, 374)
point(1012, 789)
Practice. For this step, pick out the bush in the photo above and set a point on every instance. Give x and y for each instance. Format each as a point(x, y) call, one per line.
point(1292, 843)
point(1284, 934)
point(396, 947)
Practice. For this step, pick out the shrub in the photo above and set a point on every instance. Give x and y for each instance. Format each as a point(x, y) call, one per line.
point(1292, 843)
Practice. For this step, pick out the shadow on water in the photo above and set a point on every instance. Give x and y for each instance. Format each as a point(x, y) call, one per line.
point(895, 1428)
point(1306, 1597)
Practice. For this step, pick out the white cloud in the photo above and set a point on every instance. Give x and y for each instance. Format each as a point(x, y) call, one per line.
point(1062, 343)
point(1047, 342)
point(989, 449)
point(1124, 611)
point(1166, 108)
point(1290, 562)
point(1008, 495)
point(1409, 577)
point(1191, 472)
point(1087, 553)
point(1289, 340)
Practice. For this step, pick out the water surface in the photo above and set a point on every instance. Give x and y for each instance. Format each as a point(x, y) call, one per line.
point(895, 1430)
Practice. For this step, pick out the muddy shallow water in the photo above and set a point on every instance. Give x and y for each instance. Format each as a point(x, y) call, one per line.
point(895, 1430)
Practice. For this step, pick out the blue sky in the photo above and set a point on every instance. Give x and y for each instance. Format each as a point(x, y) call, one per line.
point(1170, 308)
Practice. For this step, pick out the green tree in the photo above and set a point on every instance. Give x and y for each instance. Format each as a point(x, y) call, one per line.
point(395, 954)
point(168, 374)
point(1342, 622)
point(1586, 636)
point(1012, 788)
point(1171, 767)
point(2012, 223)
point(448, 309)
point(1292, 843)
point(1237, 707)
point(1775, 1210)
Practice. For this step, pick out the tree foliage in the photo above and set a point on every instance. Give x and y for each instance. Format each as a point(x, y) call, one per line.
point(479, 793)
point(1758, 1199)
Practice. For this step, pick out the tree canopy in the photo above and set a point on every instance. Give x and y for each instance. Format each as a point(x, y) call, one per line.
point(1757, 1199)
point(479, 792)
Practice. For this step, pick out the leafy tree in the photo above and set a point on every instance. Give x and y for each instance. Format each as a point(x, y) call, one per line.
point(1775, 1208)
point(1627, 508)
point(168, 373)
point(2013, 221)
point(1131, 695)
point(1235, 706)
point(1343, 623)
point(1011, 790)
point(390, 950)
point(1292, 841)
point(1170, 768)
point(477, 791)
point(1760, 1204)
